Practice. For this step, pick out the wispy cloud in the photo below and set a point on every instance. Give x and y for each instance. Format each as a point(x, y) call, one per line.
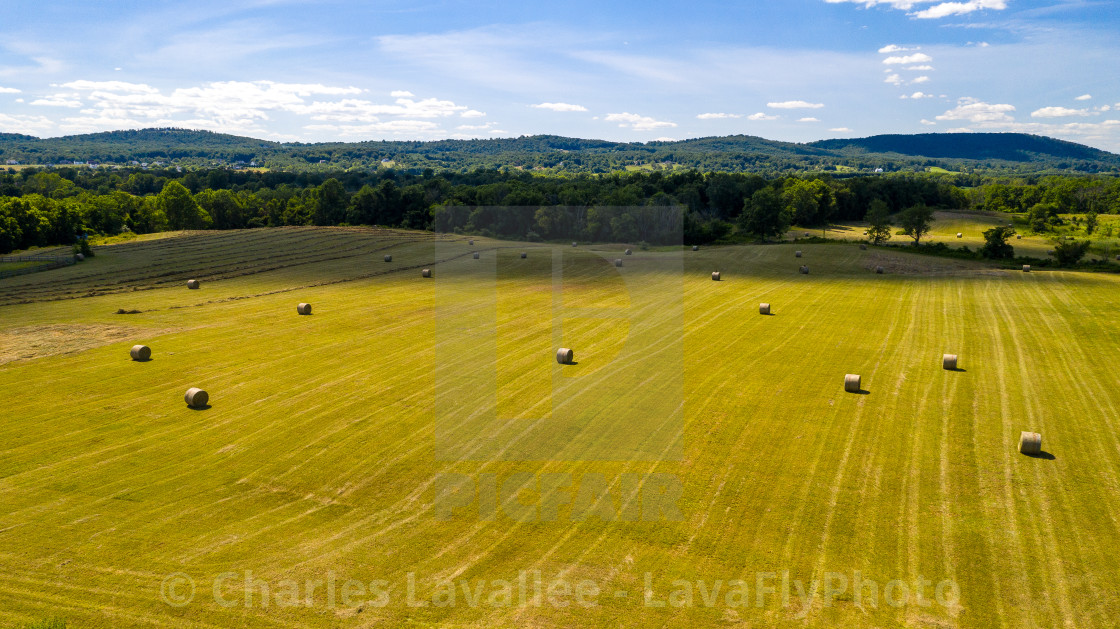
point(559, 107)
point(946, 9)
point(762, 116)
point(1058, 112)
point(795, 104)
point(973, 110)
point(9, 90)
point(637, 122)
point(1084, 97)
point(717, 116)
point(940, 10)
point(918, 57)
point(894, 48)
point(808, 120)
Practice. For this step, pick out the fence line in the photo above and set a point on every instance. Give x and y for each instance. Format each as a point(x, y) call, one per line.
point(52, 262)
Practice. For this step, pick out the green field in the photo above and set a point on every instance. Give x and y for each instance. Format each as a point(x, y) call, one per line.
point(324, 454)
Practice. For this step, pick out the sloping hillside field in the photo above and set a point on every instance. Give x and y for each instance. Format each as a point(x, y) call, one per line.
point(412, 452)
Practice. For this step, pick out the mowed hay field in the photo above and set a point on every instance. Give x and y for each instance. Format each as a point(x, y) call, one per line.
point(321, 455)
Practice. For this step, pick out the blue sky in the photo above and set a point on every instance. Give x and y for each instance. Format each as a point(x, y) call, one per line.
point(797, 70)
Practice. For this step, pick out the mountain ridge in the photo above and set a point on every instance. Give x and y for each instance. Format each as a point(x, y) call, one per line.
point(1008, 151)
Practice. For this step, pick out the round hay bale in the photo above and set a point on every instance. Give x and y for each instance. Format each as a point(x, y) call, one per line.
point(426, 273)
point(524, 255)
point(575, 244)
point(140, 352)
point(851, 383)
point(618, 261)
point(1018, 236)
point(960, 235)
point(879, 270)
point(564, 356)
point(475, 255)
point(764, 309)
point(196, 398)
point(804, 270)
point(797, 254)
point(807, 234)
point(192, 284)
point(1049, 252)
point(1118, 258)
point(1030, 443)
point(629, 253)
point(864, 233)
point(715, 276)
point(949, 361)
point(1026, 268)
point(695, 248)
point(79, 257)
point(863, 247)
point(471, 242)
point(388, 258)
point(303, 309)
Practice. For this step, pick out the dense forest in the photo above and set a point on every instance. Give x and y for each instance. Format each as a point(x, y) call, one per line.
point(985, 153)
point(40, 207)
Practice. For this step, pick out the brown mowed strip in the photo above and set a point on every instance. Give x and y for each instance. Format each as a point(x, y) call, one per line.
point(923, 265)
point(38, 341)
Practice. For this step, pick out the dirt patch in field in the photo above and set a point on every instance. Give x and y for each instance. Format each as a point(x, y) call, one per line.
point(38, 341)
point(923, 265)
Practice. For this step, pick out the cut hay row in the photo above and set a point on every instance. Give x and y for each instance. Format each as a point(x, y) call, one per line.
point(319, 449)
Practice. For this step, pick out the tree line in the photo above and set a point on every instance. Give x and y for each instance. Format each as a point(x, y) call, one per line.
point(57, 206)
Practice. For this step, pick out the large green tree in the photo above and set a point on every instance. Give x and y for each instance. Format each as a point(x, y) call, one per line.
point(180, 208)
point(878, 222)
point(764, 215)
point(996, 246)
point(916, 222)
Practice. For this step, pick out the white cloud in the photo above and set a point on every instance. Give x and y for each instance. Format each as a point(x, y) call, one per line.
point(943, 9)
point(9, 90)
point(893, 48)
point(808, 120)
point(927, 67)
point(111, 86)
point(401, 94)
point(717, 116)
point(472, 113)
point(795, 104)
point(917, 95)
point(928, 123)
point(977, 111)
point(398, 127)
point(761, 116)
point(946, 9)
point(24, 124)
point(1084, 97)
point(664, 139)
point(893, 79)
point(920, 79)
point(918, 57)
point(1058, 112)
point(638, 123)
point(58, 100)
point(559, 107)
point(840, 130)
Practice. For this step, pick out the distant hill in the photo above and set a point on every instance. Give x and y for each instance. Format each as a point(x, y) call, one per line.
point(999, 152)
point(1014, 147)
